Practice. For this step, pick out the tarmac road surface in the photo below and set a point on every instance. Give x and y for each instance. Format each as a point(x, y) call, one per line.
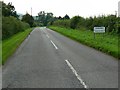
point(47, 59)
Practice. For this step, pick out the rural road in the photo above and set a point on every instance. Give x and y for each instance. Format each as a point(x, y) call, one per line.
point(47, 59)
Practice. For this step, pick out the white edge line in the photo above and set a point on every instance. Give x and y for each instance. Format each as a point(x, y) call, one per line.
point(76, 74)
point(54, 44)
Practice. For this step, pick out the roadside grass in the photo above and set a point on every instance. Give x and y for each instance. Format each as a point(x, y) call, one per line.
point(107, 43)
point(11, 44)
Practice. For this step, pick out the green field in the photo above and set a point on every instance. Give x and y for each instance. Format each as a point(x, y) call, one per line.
point(107, 43)
point(11, 44)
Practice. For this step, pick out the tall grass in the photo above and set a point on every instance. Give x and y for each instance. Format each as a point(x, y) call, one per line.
point(9, 45)
point(106, 43)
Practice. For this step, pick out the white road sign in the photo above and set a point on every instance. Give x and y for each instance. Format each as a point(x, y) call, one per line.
point(99, 29)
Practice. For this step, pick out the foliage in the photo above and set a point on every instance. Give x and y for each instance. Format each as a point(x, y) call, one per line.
point(11, 26)
point(45, 18)
point(110, 22)
point(59, 18)
point(66, 17)
point(28, 19)
point(109, 43)
point(62, 23)
point(74, 22)
point(8, 10)
point(10, 22)
point(117, 26)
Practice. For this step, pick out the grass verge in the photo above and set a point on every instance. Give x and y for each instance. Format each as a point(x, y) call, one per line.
point(107, 43)
point(11, 44)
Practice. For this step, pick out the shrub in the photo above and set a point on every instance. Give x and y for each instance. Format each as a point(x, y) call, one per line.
point(74, 22)
point(11, 26)
point(62, 23)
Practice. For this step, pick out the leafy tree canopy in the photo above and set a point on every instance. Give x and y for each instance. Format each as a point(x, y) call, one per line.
point(66, 17)
point(45, 18)
point(28, 19)
point(8, 10)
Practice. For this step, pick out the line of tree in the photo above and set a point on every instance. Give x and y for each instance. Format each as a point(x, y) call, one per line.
point(11, 24)
point(44, 19)
point(111, 22)
point(28, 19)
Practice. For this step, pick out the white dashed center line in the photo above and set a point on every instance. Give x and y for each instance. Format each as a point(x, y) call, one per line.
point(76, 74)
point(53, 44)
point(47, 36)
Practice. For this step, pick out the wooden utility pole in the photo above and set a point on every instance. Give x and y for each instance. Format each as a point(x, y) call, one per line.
point(116, 13)
point(31, 11)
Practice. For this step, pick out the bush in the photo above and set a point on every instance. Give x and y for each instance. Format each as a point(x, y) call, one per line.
point(110, 22)
point(74, 22)
point(62, 23)
point(11, 26)
point(28, 19)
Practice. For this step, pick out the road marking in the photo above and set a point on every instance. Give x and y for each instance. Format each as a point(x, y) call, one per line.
point(54, 44)
point(76, 74)
point(47, 36)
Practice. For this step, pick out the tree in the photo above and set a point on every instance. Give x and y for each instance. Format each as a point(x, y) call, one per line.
point(66, 17)
point(74, 21)
point(60, 18)
point(41, 17)
point(118, 25)
point(8, 10)
point(89, 23)
point(11, 26)
point(28, 19)
point(10, 22)
point(48, 18)
point(81, 23)
point(112, 22)
point(45, 18)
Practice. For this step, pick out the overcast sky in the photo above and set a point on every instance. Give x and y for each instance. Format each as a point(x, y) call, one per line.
point(83, 8)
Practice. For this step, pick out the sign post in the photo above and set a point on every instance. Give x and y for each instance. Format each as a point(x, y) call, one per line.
point(99, 30)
